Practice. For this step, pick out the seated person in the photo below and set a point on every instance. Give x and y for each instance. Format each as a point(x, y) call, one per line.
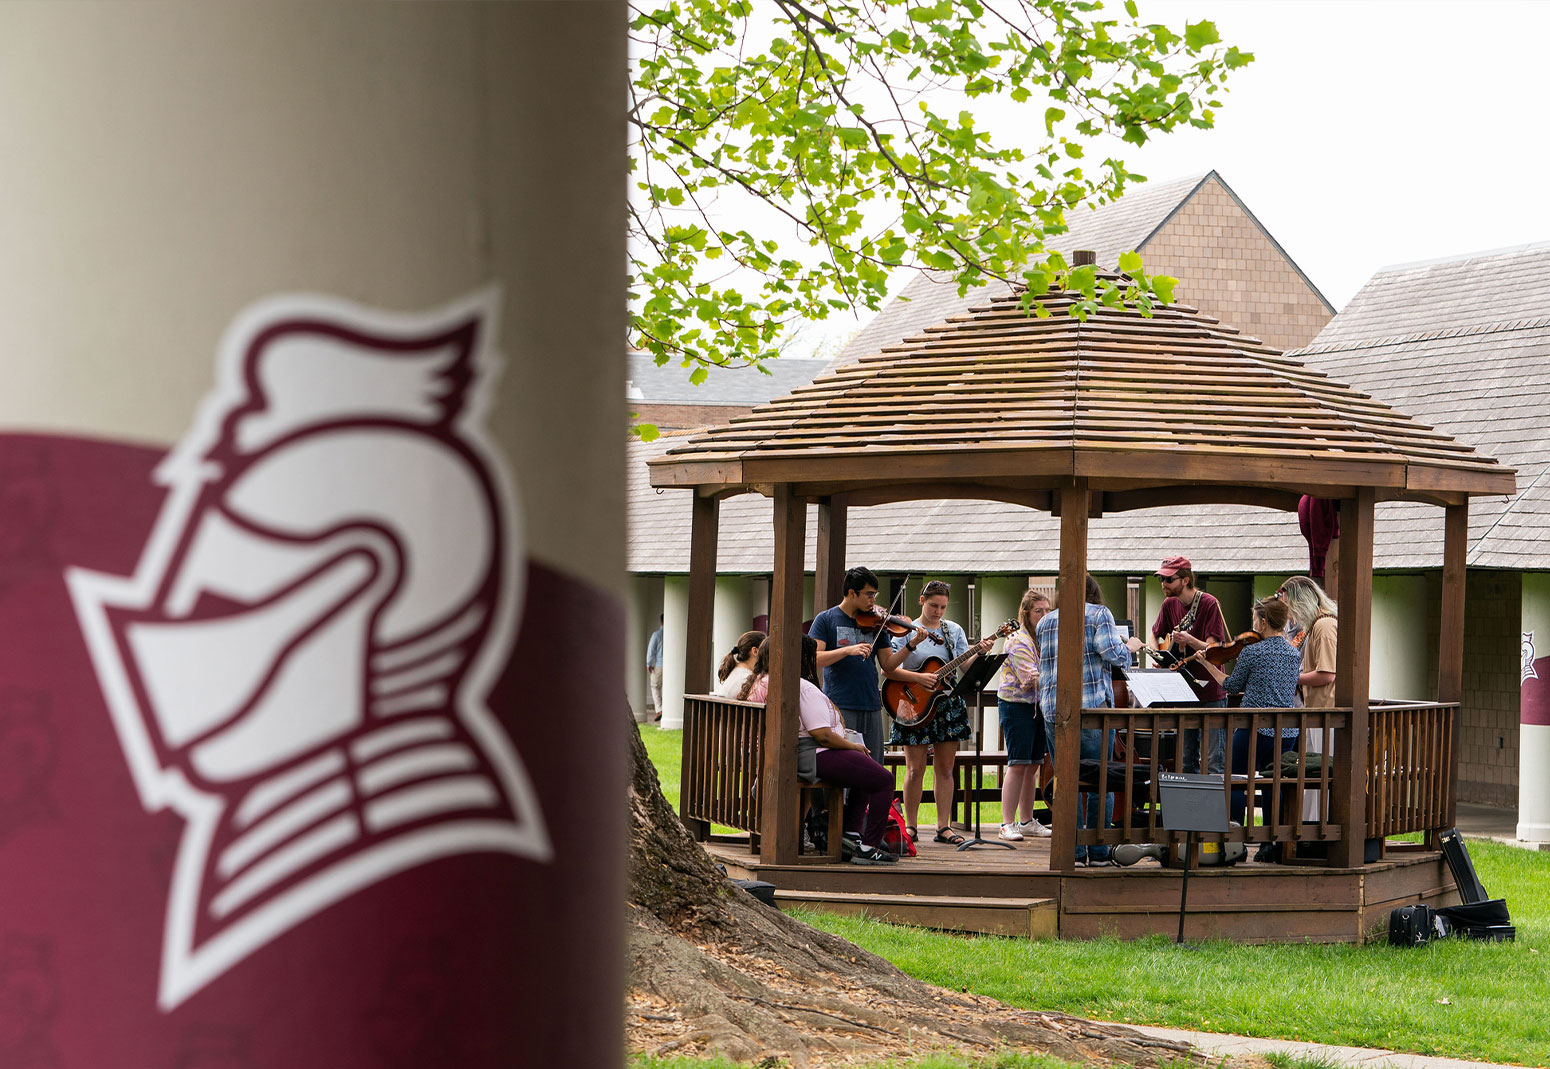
point(1266, 673)
point(840, 761)
point(737, 666)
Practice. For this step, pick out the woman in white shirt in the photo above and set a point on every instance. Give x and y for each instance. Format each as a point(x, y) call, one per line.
point(738, 664)
point(840, 761)
point(1023, 725)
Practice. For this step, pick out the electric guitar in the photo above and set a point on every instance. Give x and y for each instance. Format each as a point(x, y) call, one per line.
point(913, 705)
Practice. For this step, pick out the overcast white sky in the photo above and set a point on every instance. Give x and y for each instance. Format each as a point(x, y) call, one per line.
point(1371, 132)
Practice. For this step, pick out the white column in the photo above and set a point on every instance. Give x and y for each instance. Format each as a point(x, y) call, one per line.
point(1534, 733)
point(733, 614)
point(1399, 648)
point(675, 607)
point(640, 619)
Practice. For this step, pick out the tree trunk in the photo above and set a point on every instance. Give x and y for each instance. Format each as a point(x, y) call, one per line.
point(711, 969)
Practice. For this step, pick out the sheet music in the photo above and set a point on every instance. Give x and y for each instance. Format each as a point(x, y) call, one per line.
point(1148, 685)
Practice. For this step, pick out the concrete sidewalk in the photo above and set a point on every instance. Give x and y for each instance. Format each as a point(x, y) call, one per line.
point(1217, 1045)
point(1493, 822)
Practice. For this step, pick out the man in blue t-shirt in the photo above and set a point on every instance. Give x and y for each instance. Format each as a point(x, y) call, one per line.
point(845, 652)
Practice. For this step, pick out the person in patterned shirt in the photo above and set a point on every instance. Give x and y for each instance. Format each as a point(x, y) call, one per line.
point(1104, 647)
point(1266, 674)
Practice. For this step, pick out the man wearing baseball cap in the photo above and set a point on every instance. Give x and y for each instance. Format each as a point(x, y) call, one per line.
point(1190, 620)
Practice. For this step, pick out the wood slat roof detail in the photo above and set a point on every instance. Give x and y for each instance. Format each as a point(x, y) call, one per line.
point(1112, 229)
point(999, 393)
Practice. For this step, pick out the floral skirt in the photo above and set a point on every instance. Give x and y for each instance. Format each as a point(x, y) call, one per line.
point(950, 724)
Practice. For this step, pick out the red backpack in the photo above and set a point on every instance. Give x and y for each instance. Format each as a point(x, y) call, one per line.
point(896, 839)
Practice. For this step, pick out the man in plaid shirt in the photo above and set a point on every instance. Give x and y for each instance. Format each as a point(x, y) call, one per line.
point(1104, 648)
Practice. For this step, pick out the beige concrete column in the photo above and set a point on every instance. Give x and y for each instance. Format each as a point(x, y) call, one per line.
point(363, 266)
point(733, 615)
point(675, 649)
point(1534, 732)
point(1399, 654)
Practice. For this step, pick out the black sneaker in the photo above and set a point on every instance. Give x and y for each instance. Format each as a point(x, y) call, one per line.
point(849, 844)
point(871, 855)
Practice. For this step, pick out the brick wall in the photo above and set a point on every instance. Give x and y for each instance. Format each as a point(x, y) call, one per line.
point(1228, 268)
point(1488, 742)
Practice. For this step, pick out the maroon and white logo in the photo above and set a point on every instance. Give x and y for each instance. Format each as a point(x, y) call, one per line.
point(300, 663)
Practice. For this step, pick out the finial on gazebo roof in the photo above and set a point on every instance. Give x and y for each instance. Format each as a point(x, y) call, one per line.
point(1084, 258)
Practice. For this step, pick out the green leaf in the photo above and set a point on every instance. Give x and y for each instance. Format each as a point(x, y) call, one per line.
point(1198, 35)
point(1162, 285)
point(647, 432)
point(1130, 263)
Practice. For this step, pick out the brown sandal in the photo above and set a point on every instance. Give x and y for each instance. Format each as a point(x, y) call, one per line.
point(948, 836)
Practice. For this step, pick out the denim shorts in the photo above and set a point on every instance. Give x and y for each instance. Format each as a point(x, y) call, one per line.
point(1022, 726)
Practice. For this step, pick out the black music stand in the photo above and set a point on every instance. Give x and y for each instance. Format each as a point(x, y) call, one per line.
point(972, 681)
point(1191, 803)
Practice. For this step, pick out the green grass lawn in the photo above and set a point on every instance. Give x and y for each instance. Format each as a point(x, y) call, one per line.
point(1455, 998)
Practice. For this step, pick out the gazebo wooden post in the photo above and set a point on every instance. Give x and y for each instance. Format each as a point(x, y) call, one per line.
point(779, 836)
point(1353, 670)
point(703, 528)
point(830, 550)
point(1450, 653)
point(1072, 637)
point(698, 652)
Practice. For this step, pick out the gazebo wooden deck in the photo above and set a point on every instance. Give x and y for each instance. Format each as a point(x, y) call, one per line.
point(1081, 417)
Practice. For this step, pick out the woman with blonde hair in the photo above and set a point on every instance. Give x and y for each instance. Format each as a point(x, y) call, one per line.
point(1025, 729)
point(1317, 616)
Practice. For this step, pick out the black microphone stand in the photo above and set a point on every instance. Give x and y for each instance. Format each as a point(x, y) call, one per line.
point(972, 681)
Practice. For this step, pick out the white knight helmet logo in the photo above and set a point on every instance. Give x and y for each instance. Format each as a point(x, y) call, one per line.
point(300, 663)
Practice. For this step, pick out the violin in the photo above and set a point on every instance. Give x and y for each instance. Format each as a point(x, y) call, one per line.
point(874, 619)
point(1222, 653)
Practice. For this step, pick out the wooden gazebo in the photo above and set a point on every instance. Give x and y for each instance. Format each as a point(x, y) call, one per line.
point(1078, 418)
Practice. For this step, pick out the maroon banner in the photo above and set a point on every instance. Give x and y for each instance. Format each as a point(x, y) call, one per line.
point(1534, 694)
point(277, 718)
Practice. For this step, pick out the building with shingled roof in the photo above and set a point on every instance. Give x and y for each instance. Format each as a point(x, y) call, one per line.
point(663, 395)
point(1457, 343)
point(1195, 229)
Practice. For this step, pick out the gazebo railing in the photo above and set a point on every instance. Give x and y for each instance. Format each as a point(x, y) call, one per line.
point(1409, 763)
point(1408, 778)
point(723, 749)
point(1149, 741)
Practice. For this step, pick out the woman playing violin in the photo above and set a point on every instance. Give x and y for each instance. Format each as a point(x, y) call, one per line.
point(1266, 674)
point(949, 726)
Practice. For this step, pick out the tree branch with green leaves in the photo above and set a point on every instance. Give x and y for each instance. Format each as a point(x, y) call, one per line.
point(833, 125)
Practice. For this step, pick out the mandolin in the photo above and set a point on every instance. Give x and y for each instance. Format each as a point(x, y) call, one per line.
point(914, 706)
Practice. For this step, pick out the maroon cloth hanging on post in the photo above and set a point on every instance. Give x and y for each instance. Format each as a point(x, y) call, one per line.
point(1319, 519)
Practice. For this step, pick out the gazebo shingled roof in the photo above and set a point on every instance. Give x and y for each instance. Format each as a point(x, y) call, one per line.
point(1078, 417)
point(997, 394)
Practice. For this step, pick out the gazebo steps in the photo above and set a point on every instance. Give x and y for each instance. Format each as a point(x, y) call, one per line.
point(1031, 918)
point(1252, 903)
